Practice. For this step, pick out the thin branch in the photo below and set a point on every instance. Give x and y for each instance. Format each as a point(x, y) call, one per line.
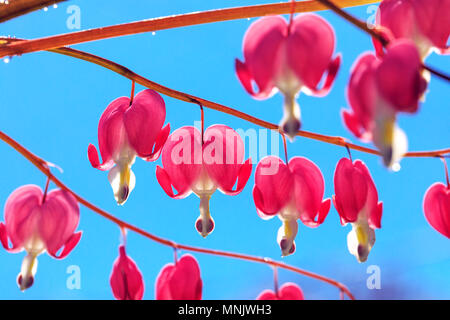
point(340, 141)
point(163, 23)
point(15, 8)
point(44, 168)
point(372, 32)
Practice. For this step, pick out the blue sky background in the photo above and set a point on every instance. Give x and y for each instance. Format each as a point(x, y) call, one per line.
point(51, 104)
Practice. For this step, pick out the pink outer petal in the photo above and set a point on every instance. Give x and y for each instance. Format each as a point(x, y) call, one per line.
point(182, 160)
point(436, 206)
point(68, 246)
point(181, 281)
point(159, 144)
point(261, 45)
point(351, 190)
point(398, 16)
point(244, 174)
point(310, 46)
point(267, 295)
point(374, 208)
point(111, 133)
point(126, 279)
point(353, 124)
point(4, 240)
point(361, 93)
point(399, 78)
point(59, 219)
point(95, 161)
point(432, 19)
point(143, 121)
point(273, 185)
point(309, 188)
point(332, 71)
point(223, 154)
point(288, 291)
point(165, 183)
point(22, 215)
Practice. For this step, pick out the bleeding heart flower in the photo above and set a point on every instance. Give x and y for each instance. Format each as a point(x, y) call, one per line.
point(180, 281)
point(378, 90)
point(356, 201)
point(38, 223)
point(292, 191)
point(288, 291)
point(128, 129)
point(193, 166)
point(288, 58)
point(436, 205)
point(424, 22)
point(126, 278)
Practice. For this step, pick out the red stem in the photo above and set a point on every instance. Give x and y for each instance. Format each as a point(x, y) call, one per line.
point(446, 172)
point(285, 147)
point(44, 168)
point(46, 190)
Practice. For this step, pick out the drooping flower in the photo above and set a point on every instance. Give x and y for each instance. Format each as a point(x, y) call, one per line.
point(436, 206)
point(378, 90)
point(288, 291)
point(424, 22)
point(356, 201)
point(128, 129)
point(292, 192)
point(192, 166)
point(37, 222)
point(288, 58)
point(126, 278)
point(180, 281)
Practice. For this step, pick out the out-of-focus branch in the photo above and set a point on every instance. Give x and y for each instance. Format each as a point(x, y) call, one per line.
point(162, 23)
point(14, 8)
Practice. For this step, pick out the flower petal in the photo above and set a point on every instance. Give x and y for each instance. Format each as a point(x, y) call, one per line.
point(59, 219)
point(309, 49)
point(143, 121)
point(273, 185)
point(181, 281)
point(159, 143)
point(350, 189)
point(22, 213)
point(309, 188)
point(223, 154)
point(126, 279)
point(111, 134)
point(261, 45)
point(182, 160)
point(436, 206)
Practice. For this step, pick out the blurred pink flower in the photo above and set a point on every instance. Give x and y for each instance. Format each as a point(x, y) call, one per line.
point(378, 90)
point(425, 22)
